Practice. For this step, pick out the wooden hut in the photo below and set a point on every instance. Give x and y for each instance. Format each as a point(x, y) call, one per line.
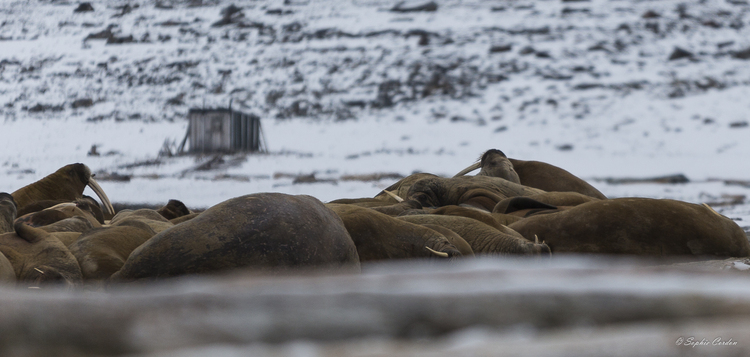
point(223, 130)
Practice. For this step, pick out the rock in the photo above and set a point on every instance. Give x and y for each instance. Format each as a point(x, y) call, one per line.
point(125, 9)
point(84, 7)
point(93, 152)
point(526, 50)
point(543, 54)
point(118, 40)
point(430, 6)
point(229, 15)
point(82, 103)
point(38, 108)
point(177, 100)
point(279, 12)
point(651, 15)
point(501, 48)
point(679, 53)
point(101, 35)
point(743, 55)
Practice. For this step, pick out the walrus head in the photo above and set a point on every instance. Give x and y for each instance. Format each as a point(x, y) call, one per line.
point(493, 163)
point(66, 184)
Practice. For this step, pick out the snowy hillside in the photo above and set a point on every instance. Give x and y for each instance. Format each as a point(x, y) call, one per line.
point(350, 91)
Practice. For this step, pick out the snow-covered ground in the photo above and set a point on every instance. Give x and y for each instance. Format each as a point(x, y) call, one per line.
point(604, 89)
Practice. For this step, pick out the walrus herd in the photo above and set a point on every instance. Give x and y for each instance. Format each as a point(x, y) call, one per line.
point(50, 233)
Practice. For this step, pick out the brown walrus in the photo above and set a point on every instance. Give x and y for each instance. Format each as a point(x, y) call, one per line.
point(535, 174)
point(379, 236)
point(640, 226)
point(264, 231)
point(66, 184)
point(39, 257)
point(8, 212)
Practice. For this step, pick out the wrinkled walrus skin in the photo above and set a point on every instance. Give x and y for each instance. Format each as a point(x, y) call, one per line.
point(38, 257)
point(639, 226)
point(7, 273)
point(264, 231)
point(439, 191)
point(482, 238)
point(379, 236)
point(101, 252)
point(8, 212)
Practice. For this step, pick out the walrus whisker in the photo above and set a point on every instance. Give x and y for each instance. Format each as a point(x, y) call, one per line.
point(439, 254)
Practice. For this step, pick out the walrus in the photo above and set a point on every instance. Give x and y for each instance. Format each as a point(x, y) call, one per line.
point(461, 244)
point(515, 204)
point(57, 213)
point(480, 191)
point(493, 163)
point(184, 218)
point(66, 184)
point(85, 203)
point(379, 236)
point(638, 226)
point(268, 232)
point(549, 200)
point(73, 224)
point(39, 257)
point(401, 188)
point(173, 209)
point(7, 273)
point(153, 218)
point(382, 205)
point(8, 212)
point(495, 220)
point(535, 174)
point(483, 238)
point(101, 252)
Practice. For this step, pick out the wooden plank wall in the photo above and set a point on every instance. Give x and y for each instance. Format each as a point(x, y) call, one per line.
point(222, 131)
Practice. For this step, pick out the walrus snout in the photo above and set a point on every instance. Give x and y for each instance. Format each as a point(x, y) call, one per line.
point(543, 250)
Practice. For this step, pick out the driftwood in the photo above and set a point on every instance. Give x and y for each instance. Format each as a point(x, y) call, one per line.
point(669, 179)
point(480, 306)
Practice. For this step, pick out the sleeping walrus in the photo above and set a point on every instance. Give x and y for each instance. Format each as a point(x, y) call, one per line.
point(263, 231)
point(641, 226)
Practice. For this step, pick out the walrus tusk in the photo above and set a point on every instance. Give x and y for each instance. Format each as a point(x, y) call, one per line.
point(102, 196)
point(395, 196)
point(713, 210)
point(536, 239)
point(62, 205)
point(471, 168)
point(439, 254)
point(39, 270)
